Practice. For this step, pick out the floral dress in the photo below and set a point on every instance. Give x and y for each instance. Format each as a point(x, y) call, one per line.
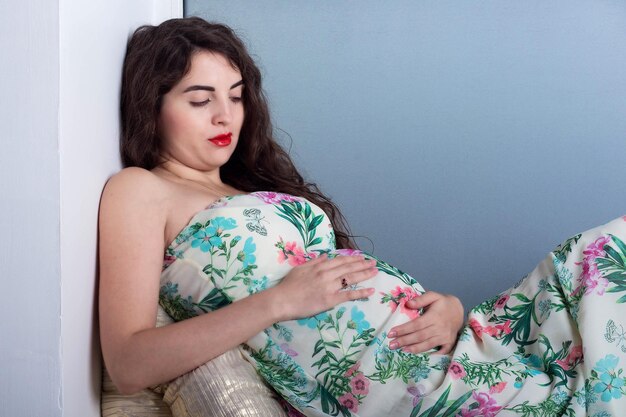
point(554, 344)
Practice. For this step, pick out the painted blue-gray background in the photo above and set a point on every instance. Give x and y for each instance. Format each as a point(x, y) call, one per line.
point(465, 139)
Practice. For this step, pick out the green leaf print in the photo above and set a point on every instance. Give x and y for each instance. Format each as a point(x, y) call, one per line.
point(521, 317)
point(180, 308)
point(486, 307)
point(215, 299)
point(238, 262)
point(613, 267)
point(338, 344)
point(394, 272)
point(301, 216)
point(487, 373)
point(394, 364)
point(284, 374)
point(555, 405)
point(437, 410)
point(330, 405)
point(564, 248)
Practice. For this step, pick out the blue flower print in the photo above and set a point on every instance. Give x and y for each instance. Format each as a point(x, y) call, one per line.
point(610, 387)
point(311, 322)
point(610, 384)
point(209, 236)
point(257, 285)
point(205, 241)
point(358, 320)
point(221, 224)
point(586, 397)
point(560, 397)
point(419, 372)
point(247, 254)
point(607, 364)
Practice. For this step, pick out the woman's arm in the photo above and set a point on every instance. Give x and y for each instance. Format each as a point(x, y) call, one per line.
point(439, 325)
point(132, 223)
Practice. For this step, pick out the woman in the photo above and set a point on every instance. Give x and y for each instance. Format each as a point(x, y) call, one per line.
point(332, 334)
point(195, 128)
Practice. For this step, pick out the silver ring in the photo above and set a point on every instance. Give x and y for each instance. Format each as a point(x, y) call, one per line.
point(344, 283)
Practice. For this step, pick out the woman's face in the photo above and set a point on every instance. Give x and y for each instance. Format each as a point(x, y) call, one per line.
point(201, 116)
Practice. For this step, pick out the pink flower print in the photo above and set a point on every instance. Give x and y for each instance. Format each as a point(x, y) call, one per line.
point(417, 392)
point(599, 285)
point(497, 388)
point(498, 329)
point(288, 350)
point(354, 368)
point(563, 364)
point(348, 252)
point(399, 298)
point(456, 370)
point(349, 401)
point(592, 279)
point(491, 331)
point(596, 249)
point(487, 406)
point(505, 328)
point(573, 358)
point(502, 301)
point(360, 385)
point(168, 260)
point(271, 197)
point(292, 253)
point(576, 353)
point(476, 327)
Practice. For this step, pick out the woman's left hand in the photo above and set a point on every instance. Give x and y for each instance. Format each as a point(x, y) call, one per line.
point(438, 325)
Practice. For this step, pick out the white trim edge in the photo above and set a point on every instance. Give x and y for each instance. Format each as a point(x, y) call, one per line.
point(166, 9)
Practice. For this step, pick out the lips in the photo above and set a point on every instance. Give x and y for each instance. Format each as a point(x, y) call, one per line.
point(222, 140)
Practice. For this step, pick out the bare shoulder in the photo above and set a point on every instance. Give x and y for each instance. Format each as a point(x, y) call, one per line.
point(134, 194)
point(133, 182)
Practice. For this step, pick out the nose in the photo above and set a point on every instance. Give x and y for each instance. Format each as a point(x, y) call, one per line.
point(222, 113)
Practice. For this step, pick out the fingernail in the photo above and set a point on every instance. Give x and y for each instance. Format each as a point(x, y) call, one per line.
point(393, 345)
point(392, 333)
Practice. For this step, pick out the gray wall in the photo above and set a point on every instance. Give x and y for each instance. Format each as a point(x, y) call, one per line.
point(464, 138)
point(59, 133)
point(29, 210)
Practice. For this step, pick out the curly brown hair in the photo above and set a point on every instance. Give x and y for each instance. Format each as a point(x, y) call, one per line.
point(157, 58)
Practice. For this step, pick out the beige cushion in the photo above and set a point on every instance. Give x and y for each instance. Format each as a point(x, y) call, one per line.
point(227, 386)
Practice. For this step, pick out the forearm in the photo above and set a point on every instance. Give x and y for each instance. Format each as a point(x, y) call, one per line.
point(158, 355)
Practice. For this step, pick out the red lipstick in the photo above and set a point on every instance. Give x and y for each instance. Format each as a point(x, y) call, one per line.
point(222, 140)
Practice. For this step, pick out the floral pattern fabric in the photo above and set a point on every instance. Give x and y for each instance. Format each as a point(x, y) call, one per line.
point(554, 344)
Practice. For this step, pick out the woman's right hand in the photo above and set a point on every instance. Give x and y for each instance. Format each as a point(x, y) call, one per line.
point(318, 285)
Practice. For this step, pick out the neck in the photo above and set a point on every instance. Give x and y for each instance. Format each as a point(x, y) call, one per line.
point(183, 174)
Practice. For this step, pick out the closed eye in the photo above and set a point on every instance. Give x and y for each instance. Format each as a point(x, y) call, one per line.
point(200, 103)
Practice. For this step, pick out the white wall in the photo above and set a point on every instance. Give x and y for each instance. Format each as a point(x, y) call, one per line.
point(93, 39)
point(30, 368)
point(59, 116)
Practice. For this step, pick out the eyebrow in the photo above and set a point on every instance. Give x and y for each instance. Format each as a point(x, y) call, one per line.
point(209, 88)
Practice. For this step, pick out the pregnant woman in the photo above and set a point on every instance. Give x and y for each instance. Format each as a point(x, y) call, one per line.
point(212, 220)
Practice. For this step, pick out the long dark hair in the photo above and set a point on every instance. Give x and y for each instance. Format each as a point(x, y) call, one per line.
point(157, 58)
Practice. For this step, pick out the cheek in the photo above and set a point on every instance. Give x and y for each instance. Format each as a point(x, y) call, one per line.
point(172, 124)
point(241, 117)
